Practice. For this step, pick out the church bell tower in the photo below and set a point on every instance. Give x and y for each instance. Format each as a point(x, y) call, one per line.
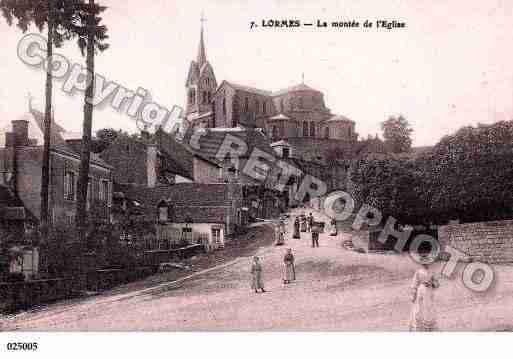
point(200, 87)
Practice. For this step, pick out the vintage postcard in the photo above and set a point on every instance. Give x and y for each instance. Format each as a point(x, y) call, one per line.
point(261, 166)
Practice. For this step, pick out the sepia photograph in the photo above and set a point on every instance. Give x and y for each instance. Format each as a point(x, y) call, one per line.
point(282, 167)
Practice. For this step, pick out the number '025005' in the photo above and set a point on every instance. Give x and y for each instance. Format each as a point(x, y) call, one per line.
point(21, 346)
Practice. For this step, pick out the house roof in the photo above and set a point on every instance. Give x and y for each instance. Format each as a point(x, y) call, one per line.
point(57, 139)
point(205, 203)
point(176, 158)
point(184, 194)
point(210, 142)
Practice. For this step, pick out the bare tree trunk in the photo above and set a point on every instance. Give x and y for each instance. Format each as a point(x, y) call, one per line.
point(45, 170)
point(83, 179)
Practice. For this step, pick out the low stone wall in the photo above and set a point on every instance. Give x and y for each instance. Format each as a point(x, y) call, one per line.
point(488, 242)
point(367, 240)
point(22, 295)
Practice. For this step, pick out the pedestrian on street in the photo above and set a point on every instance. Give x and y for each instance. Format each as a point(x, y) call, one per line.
point(423, 314)
point(310, 222)
point(334, 230)
point(289, 270)
point(315, 235)
point(303, 222)
point(257, 281)
point(297, 234)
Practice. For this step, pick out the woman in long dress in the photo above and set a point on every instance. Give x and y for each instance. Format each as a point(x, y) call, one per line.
point(423, 315)
point(289, 271)
point(257, 280)
point(296, 234)
point(334, 230)
point(303, 223)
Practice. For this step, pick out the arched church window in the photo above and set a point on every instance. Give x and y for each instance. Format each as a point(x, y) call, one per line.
point(246, 104)
point(305, 129)
point(312, 129)
point(224, 106)
point(326, 132)
point(257, 106)
point(264, 110)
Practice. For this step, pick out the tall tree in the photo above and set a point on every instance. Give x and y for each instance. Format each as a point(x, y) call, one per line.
point(91, 38)
point(397, 134)
point(56, 16)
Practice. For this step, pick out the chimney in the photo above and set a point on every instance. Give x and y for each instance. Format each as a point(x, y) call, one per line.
point(20, 133)
point(151, 165)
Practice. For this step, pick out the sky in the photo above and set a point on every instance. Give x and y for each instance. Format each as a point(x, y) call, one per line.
point(451, 66)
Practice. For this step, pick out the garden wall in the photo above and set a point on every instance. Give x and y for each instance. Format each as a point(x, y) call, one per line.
point(488, 242)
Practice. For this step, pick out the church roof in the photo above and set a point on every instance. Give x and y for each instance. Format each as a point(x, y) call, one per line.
point(248, 89)
point(338, 118)
point(280, 117)
point(300, 87)
point(280, 143)
point(202, 56)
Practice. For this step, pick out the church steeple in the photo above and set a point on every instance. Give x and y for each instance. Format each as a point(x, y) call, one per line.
point(202, 56)
point(201, 85)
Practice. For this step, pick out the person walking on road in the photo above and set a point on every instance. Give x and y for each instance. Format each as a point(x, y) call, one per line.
point(257, 281)
point(334, 230)
point(289, 270)
point(423, 314)
point(296, 234)
point(315, 235)
point(309, 222)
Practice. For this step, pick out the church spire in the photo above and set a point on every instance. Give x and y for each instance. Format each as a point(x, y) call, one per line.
point(202, 57)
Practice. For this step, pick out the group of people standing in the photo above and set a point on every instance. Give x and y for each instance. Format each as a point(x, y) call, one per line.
point(303, 223)
point(289, 271)
point(423, 313)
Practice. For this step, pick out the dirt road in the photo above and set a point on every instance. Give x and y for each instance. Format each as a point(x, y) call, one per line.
point(335, 289)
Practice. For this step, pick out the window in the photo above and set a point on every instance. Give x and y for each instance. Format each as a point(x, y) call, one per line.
point(224, 106)
point(69, 186)
point(70, 218)
point(90, 194)
point(257, 106)
point(204, 97)
point(209, 96)
point(300, 102)
point(282, 107)
point(286, 152)
point(312, 129)
point(264, 108)
point(246, 104)
point(305, 129)
point(327, 132)
point(192, 96)
point(216, 236)
point(104, 190)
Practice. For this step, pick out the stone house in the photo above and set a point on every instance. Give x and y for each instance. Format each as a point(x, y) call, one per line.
point(21, 162)
point(199, 212)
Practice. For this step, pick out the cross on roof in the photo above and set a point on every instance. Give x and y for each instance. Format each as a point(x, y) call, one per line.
point(202, 19)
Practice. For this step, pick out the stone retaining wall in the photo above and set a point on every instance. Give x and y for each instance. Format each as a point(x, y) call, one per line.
point(488, 242)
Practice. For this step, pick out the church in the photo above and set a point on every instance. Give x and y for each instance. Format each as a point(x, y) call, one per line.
point(295, 120)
